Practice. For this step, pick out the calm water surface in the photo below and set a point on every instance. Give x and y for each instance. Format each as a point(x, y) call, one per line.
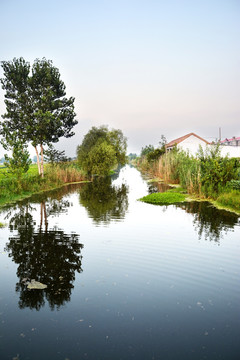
point(125, 280)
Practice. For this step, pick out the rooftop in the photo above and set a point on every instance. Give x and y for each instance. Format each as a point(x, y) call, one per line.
point(233, 139)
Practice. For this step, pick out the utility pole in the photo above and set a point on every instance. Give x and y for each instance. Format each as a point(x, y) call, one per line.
point(220, 135)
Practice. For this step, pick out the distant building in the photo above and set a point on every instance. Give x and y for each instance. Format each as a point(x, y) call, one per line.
point(235, 141)
point(189, 143)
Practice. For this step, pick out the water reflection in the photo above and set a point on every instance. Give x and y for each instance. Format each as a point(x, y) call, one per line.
point(54, 200)
point(49, 256)
point(154, 187)
point(104, 201)
point(210, 222)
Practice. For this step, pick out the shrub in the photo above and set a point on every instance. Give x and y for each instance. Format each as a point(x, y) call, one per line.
point(234, 184)
point(216, 170)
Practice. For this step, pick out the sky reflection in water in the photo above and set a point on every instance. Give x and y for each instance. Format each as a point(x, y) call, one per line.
point(125, 279)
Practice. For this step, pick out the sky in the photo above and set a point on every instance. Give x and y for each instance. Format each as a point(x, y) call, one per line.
point(147, 67)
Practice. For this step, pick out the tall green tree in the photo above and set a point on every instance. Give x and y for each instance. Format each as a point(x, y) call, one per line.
point(146, 150)
point(101, 149)
point(36, 104)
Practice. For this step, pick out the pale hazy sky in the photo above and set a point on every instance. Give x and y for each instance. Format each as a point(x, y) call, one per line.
point(146, 67)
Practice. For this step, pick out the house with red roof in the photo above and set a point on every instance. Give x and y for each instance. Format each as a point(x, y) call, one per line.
point(235, 141)
point(189, 143)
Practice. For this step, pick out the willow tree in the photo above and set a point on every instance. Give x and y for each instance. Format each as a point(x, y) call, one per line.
point(36, 104)
point(101, 150)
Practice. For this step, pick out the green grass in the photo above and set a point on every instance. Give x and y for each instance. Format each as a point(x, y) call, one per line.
point(164, 198)
point(33, 170)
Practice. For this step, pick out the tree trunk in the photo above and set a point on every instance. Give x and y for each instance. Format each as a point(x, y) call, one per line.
point(42, 171)
point(45, 217)
point(41, 217)
point(38, 162)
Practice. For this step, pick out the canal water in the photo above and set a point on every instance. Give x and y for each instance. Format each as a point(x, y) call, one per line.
point(125, 279)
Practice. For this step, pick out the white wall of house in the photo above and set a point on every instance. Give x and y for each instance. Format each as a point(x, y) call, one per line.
point(231, 151)
point(192, 143)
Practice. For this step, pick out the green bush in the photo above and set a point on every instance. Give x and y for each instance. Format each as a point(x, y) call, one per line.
point(216, 171)
point(234, 184)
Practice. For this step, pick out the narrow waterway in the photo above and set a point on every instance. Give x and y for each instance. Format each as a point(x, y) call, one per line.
point(125, 280)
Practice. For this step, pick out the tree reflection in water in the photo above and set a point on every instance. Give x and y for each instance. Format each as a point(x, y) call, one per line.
point(154, 187)
point(104, 201)
point(209, 221)
point(48, 256)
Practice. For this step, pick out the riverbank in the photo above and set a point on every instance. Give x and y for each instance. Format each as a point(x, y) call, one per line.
point(207, 177)
point(15, 189)
point(223, 201)
point(18, 197)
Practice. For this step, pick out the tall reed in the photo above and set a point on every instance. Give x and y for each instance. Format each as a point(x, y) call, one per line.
point(179, 168)
point(65, 173)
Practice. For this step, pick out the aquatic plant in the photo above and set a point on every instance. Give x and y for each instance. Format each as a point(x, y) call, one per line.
point(163, 198)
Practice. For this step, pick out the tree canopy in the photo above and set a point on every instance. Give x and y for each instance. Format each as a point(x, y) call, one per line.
point(153, 154)
point(101, 149)
point(147, 149)
point(36, 104)
point(53, 155)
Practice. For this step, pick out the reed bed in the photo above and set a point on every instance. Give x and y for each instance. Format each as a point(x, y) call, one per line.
point(65, 173)
point(207, 176)
point(179, 168)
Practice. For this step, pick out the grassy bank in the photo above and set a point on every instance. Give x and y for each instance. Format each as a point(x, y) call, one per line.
point(207, 177)
point(13, 189)
point(229, 200)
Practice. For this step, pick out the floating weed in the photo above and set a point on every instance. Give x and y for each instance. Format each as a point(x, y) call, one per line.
point(164, 198)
